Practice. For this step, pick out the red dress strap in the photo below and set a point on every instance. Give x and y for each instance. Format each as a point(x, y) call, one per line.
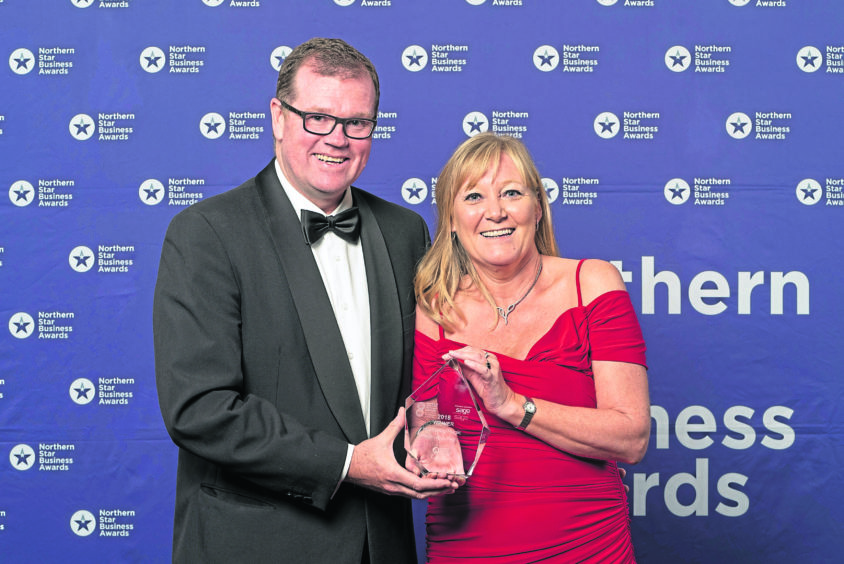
point(577, 280)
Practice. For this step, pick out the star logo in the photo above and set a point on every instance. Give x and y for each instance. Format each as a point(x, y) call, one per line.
point(213, 3)
point(809, 59)
point(344, 3)
point(153, 60)
point(22, 61)
point(21, 193)
point(606, 125)
point(414, 191)
point(82, 3)
point(678, 58)
point(546, 58)
point(414, 58)
point(474, 123)
point(677, 191)
point(278, 55)
point(21, 325)
point(552, 189)
point(82, 391)
point(22, 457)
point(151, 192)
point(739, 125)
point(809, 191)
point(212, 125)
point(81, 259)
point(81, 127)
point(83, 523)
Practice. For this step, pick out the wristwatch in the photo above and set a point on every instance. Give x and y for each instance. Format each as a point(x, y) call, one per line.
point(530, 409)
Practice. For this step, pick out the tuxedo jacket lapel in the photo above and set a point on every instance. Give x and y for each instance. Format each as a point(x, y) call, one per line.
point(384, 319)
point(313, 307)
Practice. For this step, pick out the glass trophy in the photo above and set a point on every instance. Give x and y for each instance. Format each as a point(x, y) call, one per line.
point(445, 430)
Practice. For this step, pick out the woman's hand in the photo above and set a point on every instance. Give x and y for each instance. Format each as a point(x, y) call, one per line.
point(484, 374)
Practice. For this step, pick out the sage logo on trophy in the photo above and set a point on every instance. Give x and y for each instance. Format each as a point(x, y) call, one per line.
point(445, 430)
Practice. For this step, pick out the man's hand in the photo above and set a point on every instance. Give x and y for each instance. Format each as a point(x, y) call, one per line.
point(374, 466)
point(437, 450)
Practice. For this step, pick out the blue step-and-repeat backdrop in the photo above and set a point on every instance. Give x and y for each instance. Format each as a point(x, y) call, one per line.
point(697, 144)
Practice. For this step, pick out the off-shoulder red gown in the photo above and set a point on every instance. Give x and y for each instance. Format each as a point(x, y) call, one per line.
point(527, 501)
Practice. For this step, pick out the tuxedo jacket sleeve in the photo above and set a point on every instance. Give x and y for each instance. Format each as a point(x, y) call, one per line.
point(253, 380)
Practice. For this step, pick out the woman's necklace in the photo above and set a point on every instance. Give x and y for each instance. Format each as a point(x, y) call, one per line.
point(505, 312)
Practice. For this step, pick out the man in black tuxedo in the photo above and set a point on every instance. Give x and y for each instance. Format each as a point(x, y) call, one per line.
point(283, 341)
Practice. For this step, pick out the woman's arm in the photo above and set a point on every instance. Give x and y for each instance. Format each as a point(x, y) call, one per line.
point(618, 429)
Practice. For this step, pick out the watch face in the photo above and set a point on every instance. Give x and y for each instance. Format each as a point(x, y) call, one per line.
point(530, 407)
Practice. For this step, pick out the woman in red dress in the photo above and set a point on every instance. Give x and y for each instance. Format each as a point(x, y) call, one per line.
point(553, 350)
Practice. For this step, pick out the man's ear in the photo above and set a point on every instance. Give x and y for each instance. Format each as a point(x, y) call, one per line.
point(277, 117)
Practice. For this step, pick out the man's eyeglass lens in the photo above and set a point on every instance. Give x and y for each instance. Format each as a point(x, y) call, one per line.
point(324, 124)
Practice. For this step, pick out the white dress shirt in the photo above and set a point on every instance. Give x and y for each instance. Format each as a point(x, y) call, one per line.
point(343, 273)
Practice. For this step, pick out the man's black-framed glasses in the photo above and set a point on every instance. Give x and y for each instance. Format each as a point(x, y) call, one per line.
point(324, 124)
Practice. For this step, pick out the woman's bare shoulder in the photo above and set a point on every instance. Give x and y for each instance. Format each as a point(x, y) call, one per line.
point(598, 277)
point(426, 325)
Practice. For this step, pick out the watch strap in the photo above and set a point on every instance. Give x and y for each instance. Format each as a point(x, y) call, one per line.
point(529, 408)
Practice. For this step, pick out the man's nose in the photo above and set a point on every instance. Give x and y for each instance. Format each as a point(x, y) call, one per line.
point(337, 137)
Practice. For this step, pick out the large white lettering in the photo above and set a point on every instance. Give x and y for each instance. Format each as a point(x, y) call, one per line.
point(693, 428)
point(708, 291)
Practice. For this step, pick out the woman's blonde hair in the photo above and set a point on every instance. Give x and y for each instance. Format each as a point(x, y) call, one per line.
point(440, 272)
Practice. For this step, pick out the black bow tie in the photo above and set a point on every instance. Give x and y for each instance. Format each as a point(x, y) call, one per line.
point(345, 224)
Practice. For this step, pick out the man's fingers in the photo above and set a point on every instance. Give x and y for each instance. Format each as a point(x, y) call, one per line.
point(428, 487)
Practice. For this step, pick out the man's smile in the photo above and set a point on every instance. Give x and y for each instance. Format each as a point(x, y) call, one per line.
point(329, 159)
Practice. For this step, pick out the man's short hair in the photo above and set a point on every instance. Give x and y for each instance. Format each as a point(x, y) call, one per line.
point(328, 57)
